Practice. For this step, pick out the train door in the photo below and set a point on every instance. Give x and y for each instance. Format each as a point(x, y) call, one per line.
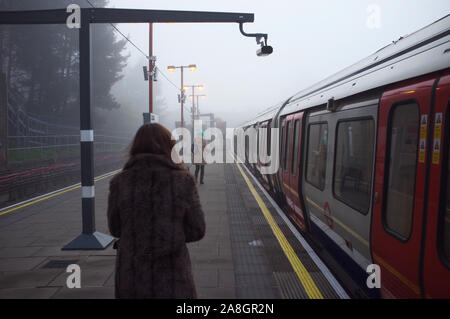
point(436, 270)
point(292, 171)
point(277, 179)
point(263, 149)
point(337, 181)
point(398, 200)
point(285, 160)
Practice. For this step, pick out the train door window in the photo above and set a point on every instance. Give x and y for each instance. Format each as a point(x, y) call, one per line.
point(446, 204)
point(295, 148)
point(403, 133)
point(281, 145)
point(246, 148)
point(286, 146)
point(258, 138)
point(269, 139)
point(354, 163)
point(317, 154)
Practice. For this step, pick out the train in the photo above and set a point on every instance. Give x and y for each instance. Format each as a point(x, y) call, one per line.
point(365, 166)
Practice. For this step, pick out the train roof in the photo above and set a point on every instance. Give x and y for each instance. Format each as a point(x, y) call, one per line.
point(427, 49)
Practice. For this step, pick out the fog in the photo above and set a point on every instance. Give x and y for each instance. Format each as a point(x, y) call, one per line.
point(311, 40)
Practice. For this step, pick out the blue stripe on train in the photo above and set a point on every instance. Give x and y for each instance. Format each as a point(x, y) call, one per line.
point(350, 266)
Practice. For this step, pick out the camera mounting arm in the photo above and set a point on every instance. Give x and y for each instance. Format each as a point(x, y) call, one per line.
point(258, 36)
point(265, 49)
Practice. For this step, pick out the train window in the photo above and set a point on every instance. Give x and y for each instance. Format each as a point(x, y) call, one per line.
point(446, 213)
point(354, 163)
point(269, 139)
point(403, 133)
point(258, 139)
point(295, 148)
point(246, 148)
point(283, 124)
point(317, 154)
point(286, 146)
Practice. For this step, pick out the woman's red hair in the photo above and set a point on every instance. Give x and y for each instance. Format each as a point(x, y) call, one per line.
point(152, 138)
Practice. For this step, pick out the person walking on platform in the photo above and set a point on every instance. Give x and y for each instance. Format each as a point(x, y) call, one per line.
point(198, 147)
point(154, 210)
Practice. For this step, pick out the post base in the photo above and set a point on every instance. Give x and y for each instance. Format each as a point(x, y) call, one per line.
point(95, 241)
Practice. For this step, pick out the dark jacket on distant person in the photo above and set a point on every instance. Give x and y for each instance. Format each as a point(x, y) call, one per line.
point(154, 209)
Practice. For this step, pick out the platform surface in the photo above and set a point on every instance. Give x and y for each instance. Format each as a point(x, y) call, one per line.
point(243, 255)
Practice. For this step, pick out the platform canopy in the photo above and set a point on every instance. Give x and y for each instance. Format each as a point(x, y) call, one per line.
point(107, 15)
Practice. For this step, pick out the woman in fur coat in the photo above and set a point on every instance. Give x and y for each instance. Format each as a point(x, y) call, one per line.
point(154, 209)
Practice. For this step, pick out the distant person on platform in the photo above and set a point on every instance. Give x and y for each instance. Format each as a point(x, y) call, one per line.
point(198, 147)
point(154, 209)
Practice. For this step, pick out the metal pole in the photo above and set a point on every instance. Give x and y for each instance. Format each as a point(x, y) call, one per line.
point(198, 107)
point(150, 82)
point(182, 97)
point(89, 239)
point(193, 110)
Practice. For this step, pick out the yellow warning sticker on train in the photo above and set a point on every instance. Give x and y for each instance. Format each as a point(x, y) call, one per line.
point(438, 118)
point(437, 138)
point(423, 137)
point(422, 148)
point(423, 127)
point(436, 151)
point(424, 119)
point(438, 126)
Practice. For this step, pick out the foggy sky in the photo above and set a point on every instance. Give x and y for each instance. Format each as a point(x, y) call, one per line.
point(311, 39)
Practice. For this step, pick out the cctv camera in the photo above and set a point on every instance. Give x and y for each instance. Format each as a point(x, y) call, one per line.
point(264, 51)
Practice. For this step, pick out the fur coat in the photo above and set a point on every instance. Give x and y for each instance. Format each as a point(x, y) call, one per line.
point(154, 209)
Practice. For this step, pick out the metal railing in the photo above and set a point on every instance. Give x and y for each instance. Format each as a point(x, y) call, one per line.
point(56, 147)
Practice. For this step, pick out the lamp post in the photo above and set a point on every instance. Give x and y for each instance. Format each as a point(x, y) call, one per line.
point(172, 68)
point(200, 87)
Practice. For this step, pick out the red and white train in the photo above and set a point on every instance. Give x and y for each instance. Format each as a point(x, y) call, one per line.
point(365, 164)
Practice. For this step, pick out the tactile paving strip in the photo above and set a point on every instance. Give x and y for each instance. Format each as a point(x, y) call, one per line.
point(287, 280)
point(253, 277)
point(290, 286)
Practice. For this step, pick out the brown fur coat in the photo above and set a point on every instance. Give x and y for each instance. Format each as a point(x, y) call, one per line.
point(154, 209)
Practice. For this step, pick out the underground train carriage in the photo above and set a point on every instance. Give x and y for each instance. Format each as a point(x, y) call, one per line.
point(370, 182)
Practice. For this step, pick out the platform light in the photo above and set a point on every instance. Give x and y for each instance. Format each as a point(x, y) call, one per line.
point(203, 96)
point(171, 68)
point(192, 67)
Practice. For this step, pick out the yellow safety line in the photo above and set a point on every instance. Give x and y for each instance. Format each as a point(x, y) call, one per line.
point(290, 189)
point(304, 276)
point(51, 196)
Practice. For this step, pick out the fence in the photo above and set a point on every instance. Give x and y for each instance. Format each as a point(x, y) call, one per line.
point(36, 148)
